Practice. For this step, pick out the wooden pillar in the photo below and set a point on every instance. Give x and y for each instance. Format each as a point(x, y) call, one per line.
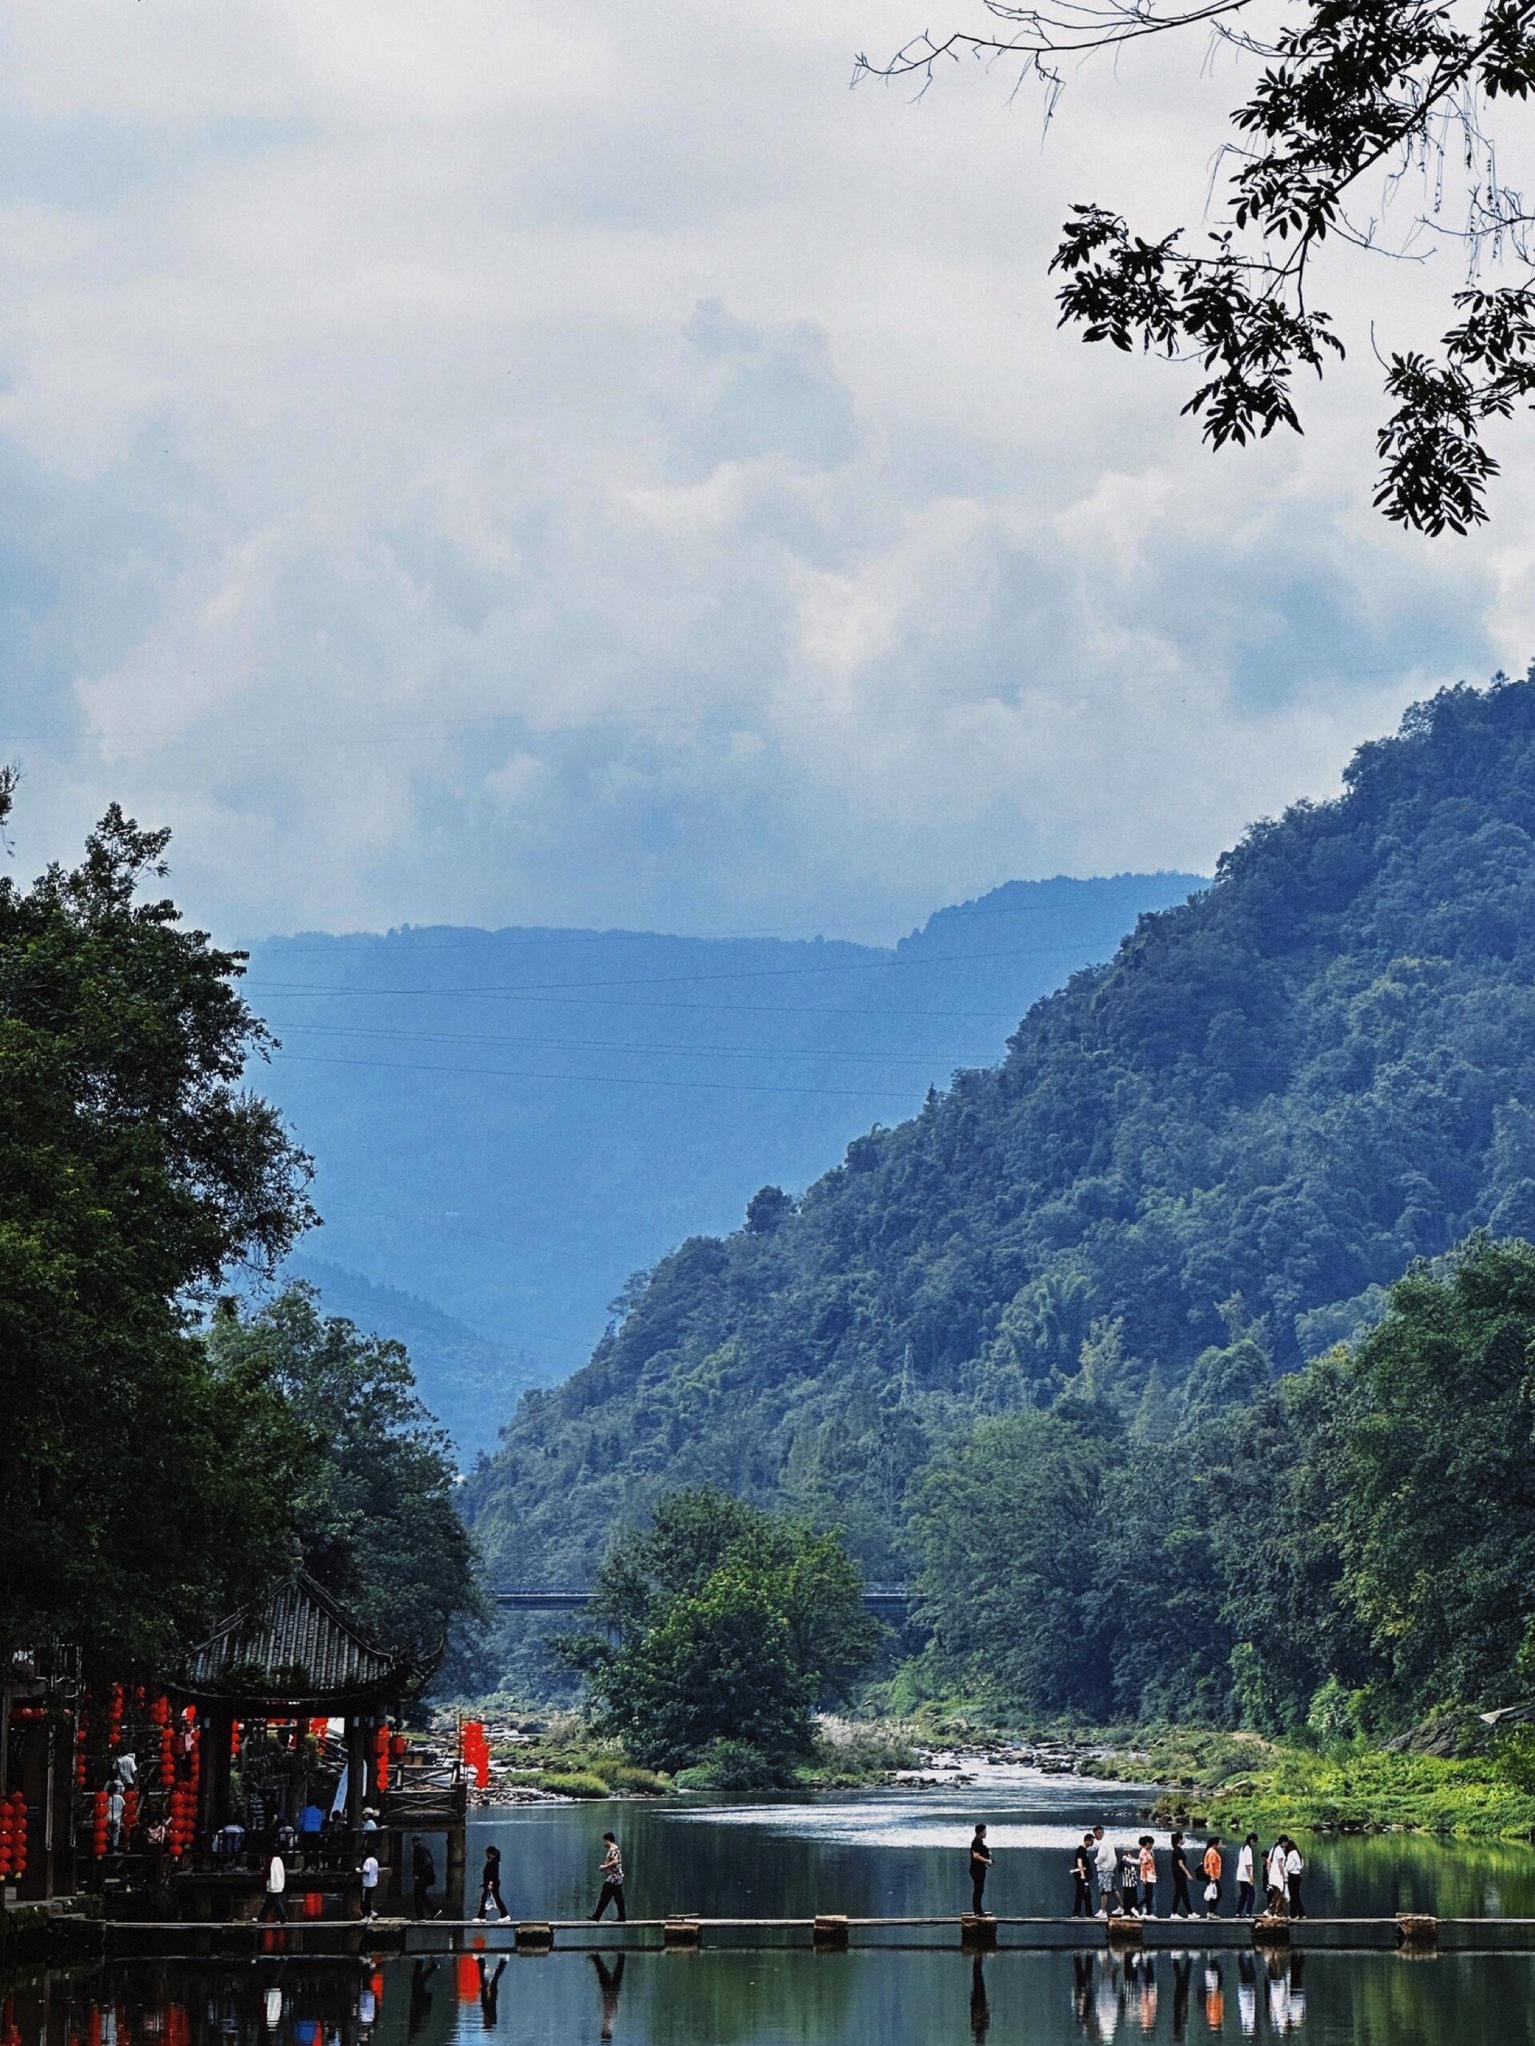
point(682, 1933)
point(829, 1931)
point(1126, 1932)
point(977, 1931)
point(534, 1937)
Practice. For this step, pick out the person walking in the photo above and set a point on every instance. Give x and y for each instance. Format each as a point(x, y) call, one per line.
point(1275, 1884)
point(490, 1885)
point(1246, 1878)
point(1294, 1869)
point(1106, 1867)
point(423, 1873)
point(1148, 1875)
point(369, 1874)
point(1178, 1863)
point(980, 1869)
point(612, 1874)
point(1213, 1867)
point(1082, 1878)
point(1130, 1880)
point(276, 1883)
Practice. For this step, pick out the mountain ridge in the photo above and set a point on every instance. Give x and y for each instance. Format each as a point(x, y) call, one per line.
point(1268, 1103)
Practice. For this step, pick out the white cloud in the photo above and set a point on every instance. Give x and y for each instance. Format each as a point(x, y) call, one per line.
point(475, 462)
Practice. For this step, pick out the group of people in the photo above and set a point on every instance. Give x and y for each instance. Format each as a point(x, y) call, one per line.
point(610, 1878)
point(1110, 1880)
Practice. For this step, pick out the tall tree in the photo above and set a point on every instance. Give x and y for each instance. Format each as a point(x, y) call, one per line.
point(376, 1515)
point(146, 1485)
point(1347, 101)
point(731, 1625)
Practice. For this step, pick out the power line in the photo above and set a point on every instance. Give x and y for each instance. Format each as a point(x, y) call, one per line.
point(674, 979)
point(580, 1079)
point(711, 1008)
point(642, 1050)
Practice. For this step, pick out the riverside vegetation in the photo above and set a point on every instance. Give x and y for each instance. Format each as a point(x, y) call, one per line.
point(1184, 1361)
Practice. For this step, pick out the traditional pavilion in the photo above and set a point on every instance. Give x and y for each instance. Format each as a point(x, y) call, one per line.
point(295, 1655)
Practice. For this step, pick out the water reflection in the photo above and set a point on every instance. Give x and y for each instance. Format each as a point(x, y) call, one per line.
point(610, 1982)
point(790, 1997)
point(1113, 1994)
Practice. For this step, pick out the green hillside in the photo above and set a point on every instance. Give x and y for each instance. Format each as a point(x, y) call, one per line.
point(1220, 1146)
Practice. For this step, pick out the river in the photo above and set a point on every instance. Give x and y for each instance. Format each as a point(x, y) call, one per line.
point(898, 1852)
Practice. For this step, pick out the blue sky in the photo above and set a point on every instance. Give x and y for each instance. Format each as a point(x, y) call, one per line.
point(487, 464)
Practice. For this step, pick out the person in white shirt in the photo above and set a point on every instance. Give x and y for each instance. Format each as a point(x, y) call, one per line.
point(276, 1883)
point(1246, 1878)
point(1274, 1880)
point(1106, 1867)
point(369, 1884)
point(1294, 1867)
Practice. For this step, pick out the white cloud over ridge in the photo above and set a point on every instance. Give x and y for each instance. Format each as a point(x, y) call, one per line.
point(494, 464)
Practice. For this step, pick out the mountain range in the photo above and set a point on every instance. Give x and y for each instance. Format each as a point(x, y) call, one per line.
point(508, 1124)
point(1222, 1143)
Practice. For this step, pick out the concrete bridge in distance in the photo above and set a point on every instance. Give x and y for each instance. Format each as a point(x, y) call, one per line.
point(886, 1601)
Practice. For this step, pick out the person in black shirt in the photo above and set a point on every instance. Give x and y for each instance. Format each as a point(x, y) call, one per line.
point(423, 1872)
point(1178, 1862)
point(490, 1884)
point(1082, 1878)
point(980, 1868)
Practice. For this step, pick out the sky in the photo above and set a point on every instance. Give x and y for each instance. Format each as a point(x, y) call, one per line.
point(585, 466)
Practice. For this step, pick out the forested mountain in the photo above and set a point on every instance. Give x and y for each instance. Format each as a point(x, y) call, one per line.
point(506, 1124)
point(1196, 1167)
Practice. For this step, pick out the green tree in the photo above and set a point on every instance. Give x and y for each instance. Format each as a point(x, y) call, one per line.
point(147, 1486)
point(377, 1520)
point(1430, 1468)
point(1005, 1527)
point(727, 1624)
point(1347, 100)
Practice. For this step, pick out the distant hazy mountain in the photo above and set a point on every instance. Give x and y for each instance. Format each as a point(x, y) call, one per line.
point(508, 1124)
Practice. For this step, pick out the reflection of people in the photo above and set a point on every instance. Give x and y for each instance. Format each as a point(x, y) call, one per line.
point(489, 1984)
point(980, 1868)
point(1215, 1996)
point(611, 1981)
point(1082, 1988)
point(980, 2008)
point(1183, 1971)
point(421, 1974)
point(612, 1874)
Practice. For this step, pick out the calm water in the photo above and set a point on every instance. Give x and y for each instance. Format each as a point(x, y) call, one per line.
point(894, 1852)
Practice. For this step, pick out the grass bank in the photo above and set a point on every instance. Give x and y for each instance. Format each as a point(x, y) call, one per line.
point(1240, 1783)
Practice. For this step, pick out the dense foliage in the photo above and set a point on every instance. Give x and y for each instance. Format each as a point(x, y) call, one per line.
point(727, 1628)
point(377, 1522)
point(1203, 1162)
point(145, 1483)
point(1350, 1550)
point(1346, 104)
point(156, 1474)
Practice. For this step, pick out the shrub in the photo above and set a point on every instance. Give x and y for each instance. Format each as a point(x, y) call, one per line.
point(573, 1783)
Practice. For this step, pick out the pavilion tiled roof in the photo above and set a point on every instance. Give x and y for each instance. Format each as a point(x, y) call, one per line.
point(297, 1644)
